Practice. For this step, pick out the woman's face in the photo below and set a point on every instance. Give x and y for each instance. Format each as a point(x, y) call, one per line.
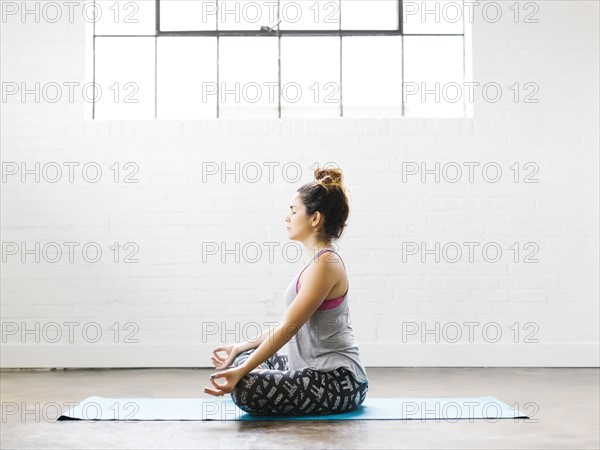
point(297, 222)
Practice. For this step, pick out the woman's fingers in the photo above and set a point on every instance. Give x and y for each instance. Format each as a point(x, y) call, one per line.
point(220, 361)
point(213, 392)
point(223, 388)
point(219, 364)
point(218, 391)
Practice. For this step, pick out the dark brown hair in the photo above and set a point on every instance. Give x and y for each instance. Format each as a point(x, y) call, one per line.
point(327, 194)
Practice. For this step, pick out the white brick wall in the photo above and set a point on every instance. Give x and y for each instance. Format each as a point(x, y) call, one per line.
point(170, 296)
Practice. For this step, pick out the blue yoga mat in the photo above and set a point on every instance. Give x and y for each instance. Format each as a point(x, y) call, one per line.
point(223, 409)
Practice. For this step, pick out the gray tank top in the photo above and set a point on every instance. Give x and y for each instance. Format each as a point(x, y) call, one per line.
point(326, 341)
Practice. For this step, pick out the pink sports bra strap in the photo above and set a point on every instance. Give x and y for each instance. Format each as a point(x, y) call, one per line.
point(331, 302)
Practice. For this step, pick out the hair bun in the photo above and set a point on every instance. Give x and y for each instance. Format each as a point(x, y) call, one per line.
point(329, 177)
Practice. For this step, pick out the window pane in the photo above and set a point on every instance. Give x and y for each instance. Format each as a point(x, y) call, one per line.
point(248, 77)
point(187, 78)
point(433, 17)
point(309, 15)
point(246, 14)
point(124, 78)
point(123, 17)
point(188, 15)
point(310, 76)
point(372, 76)
point(430, 60)
point(369, 14)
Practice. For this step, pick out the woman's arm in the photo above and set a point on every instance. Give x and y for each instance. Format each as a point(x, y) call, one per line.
point(249, 345)
point(313, 291)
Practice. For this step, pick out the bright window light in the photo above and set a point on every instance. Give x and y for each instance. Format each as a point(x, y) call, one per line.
point(211, 59)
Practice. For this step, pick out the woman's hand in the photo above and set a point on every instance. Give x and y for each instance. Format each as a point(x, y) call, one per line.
point(232, 377)
point(223, 362)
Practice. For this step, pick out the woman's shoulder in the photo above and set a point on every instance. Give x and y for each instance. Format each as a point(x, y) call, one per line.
point(326, 262)
point(331, 263)
point(329, 257)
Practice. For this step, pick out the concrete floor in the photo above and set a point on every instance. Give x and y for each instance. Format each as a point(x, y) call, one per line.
point(565, 415)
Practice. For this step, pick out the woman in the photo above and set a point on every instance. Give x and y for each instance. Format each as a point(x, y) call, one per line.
point(323, 372)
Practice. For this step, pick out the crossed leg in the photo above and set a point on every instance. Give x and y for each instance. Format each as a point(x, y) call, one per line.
point(274, 389)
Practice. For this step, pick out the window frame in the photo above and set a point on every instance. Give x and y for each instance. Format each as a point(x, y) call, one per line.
point(399, 31)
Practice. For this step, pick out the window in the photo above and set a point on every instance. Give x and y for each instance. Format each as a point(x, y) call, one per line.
point(195, 59)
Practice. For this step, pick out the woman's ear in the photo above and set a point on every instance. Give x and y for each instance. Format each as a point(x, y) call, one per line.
point(317, 218)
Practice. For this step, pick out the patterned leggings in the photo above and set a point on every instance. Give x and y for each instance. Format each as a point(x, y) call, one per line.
point(273, 389)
